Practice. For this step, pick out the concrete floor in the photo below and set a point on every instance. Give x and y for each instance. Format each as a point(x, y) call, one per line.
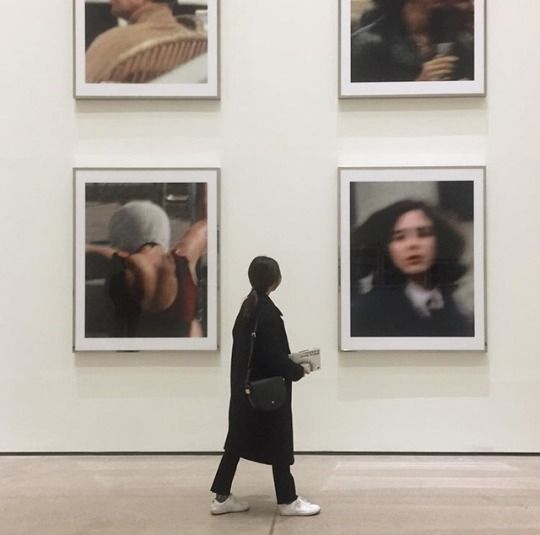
point(372, 495)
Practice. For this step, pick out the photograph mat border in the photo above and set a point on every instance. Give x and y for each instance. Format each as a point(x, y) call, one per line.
point(468, 88)
point(346, 175)
point(208, 91)
point(84, 175)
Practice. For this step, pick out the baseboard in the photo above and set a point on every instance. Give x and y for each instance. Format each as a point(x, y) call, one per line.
point(327, 453)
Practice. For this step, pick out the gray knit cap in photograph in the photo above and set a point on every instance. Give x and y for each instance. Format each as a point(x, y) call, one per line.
point(137, 223)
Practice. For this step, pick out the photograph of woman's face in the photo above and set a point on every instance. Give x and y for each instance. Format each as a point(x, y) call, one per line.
point(413, 246)
point(411, 265)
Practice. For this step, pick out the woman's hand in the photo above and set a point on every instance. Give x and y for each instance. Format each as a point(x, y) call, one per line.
point(438, 68)
point(307, 368)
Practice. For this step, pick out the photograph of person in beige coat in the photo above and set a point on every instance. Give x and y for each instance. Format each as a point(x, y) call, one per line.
point(151, 44)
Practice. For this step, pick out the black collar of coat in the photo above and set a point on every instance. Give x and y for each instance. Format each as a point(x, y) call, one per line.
point(265, 299)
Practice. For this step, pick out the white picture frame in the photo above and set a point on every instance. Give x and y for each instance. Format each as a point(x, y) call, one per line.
point(370, 317)
point(187, 200)
point(369, 71)
point(197, 78)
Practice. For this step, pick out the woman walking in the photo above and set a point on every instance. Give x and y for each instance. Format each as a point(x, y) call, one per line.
point(263, 437)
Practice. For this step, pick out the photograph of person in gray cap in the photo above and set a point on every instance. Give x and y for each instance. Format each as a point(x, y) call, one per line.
point(146, 261)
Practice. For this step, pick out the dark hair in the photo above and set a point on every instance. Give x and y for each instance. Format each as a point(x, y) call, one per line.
point(389, 9)
point(125, 299)
point(389, 5)
point(263, 273)
point(369, 246)
point(446, 21)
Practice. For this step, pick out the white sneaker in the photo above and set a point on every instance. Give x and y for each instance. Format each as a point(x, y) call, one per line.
point(230, 505)
point(300, 507)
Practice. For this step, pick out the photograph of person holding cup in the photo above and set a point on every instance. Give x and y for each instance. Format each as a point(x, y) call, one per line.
point(412, 40)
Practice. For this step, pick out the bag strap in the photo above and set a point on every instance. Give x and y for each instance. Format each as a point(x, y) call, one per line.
point(252, 338)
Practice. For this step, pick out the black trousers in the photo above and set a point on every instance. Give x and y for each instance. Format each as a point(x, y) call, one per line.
point(283, 479)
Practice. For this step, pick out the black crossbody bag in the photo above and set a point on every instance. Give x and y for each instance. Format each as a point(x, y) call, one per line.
point(268, 394)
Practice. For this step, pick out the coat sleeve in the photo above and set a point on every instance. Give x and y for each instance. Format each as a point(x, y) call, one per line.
point(367, 57)
point(272, 353)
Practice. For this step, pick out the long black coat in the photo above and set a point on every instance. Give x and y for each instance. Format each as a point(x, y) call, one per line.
point(264, 437)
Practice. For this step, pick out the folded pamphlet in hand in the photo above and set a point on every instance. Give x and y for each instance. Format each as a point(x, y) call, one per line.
point(312, 357)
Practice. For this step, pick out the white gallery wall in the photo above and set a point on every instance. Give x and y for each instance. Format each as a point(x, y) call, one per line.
point(278, 134)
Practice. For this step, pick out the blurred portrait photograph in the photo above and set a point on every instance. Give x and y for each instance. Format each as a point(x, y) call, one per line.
point(412, 48)
point(412, 258)
point(146, 48)
point(145, 259)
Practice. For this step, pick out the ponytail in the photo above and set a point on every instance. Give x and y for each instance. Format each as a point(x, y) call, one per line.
point(250, 304)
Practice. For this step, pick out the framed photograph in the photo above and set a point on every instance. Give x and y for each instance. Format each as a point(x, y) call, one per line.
point(146, 259)
point(411, 48)
point(412, 258)
point(146, 49)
